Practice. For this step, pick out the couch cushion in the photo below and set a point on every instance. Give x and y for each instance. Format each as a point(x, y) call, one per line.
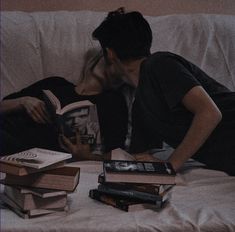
point(20, 52)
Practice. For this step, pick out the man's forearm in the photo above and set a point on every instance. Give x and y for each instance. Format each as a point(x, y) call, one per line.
point(202, 126)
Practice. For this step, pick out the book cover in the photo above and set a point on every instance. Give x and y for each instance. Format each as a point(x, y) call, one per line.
point(123, 203)
point(77, 116)
point(65, 178)
point(28, 201)
point(35, 158)
point(138, 172)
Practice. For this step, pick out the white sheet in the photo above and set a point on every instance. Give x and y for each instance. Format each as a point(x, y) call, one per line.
point(206, 202)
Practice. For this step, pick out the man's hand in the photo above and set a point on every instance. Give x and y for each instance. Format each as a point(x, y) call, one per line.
point(36, 109)
point(77, 149)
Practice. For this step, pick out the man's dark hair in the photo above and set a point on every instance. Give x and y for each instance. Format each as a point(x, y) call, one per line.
point(128, 34)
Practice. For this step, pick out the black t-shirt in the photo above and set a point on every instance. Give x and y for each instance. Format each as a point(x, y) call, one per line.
point(158, 114)
point(111, 107)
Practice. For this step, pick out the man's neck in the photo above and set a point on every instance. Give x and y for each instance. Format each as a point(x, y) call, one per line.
point(132, 68)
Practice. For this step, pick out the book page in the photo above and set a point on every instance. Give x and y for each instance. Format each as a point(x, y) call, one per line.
point(120, 154)
point(52, 102)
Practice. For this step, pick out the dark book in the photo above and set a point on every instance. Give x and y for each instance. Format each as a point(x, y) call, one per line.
point(65, 178)
point(29, 201)
point(139, 172)
point(77, 116)
point(123, 203)
point(146, 188)
point(37, 158)
point(133, 194)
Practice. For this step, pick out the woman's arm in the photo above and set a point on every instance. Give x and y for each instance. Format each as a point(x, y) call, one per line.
point(33, 106)
point(206, 118)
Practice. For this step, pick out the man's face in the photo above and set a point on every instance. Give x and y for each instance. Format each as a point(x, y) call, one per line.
point(128, 70)
point(77, 119)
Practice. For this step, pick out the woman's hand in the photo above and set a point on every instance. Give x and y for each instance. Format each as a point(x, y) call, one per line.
point(36, 109)
point(77, 149)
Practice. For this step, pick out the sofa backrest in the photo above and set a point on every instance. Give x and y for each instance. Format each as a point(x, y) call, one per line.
point(41, 44)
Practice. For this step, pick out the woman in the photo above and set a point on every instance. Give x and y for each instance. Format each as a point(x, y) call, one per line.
point(26, 122)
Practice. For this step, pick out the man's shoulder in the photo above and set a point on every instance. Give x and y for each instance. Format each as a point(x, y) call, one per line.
point(162, 56)
point(163, 60)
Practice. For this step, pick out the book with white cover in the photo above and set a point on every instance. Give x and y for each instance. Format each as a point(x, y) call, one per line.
point(35, 158)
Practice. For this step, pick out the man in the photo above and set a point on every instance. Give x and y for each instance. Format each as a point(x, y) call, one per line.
point(175, 101)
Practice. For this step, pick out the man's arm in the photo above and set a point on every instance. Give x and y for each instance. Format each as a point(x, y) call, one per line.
point(206, 118)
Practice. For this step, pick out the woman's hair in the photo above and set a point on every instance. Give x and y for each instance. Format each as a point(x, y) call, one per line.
point(128, 34)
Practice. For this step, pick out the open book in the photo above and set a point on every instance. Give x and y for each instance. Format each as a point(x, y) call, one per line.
point(77, 116)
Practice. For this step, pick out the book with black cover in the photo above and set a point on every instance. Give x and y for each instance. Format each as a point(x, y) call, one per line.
point(77, 116)
point(138, 172)
point(133, 194)
point(123, 203)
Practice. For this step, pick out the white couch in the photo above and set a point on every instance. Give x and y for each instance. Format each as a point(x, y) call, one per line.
point(41, 44)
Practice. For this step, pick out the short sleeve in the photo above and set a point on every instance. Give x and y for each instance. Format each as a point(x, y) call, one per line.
point(174, 77)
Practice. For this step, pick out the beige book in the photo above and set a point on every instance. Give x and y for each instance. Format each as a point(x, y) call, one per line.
point(20, 170)
point(28, 201)
point(65, 178)
point(26, 214)
point(35, 158)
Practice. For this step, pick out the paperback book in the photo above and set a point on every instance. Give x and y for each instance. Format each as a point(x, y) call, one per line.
point(80, 116)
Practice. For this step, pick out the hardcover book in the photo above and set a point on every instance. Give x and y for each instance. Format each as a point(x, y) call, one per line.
point(26, 214)
point(20, 170)
point(146, 188)
point(35, 158)
point(65, 178)
point(77, 116)
point(133, 194)
point(122, 203)
point(28, 201)
point(138, 172)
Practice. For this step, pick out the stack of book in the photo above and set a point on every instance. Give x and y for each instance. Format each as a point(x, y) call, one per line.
point(133, 185)
point(37, 182)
